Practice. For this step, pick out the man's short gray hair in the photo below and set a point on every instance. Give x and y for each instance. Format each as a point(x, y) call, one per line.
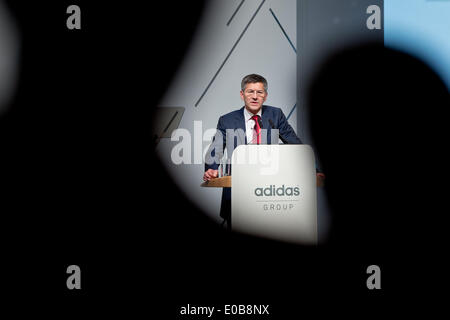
point(253, 78)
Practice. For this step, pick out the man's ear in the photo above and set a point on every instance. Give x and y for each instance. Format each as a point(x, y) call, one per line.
point(242, 95)
point(265, 97)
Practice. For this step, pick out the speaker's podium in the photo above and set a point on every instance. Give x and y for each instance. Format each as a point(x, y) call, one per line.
point(273, 192)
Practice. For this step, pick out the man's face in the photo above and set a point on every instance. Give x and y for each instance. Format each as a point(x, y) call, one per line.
point(254, 96)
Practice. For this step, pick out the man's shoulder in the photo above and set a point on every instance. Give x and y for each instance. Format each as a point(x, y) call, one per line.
point(239, 113)
point(233, 114)
point(270, 109)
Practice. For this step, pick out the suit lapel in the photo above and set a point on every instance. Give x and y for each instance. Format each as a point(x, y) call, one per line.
point(240, 124)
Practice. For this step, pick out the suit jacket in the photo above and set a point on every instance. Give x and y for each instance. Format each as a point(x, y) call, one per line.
point(231, 133)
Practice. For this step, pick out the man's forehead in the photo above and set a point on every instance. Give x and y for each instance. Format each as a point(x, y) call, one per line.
point(255, 86)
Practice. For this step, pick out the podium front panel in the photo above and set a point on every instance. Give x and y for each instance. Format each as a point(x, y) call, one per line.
point(273, 192)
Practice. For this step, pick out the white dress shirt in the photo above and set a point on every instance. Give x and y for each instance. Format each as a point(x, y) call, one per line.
point(250, 124)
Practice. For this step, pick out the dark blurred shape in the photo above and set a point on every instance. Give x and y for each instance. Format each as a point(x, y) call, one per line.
point(80, 181)
point(378, 120)
point(10, 45)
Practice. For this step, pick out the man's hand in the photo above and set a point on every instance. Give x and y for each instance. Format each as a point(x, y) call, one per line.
point(210, 174)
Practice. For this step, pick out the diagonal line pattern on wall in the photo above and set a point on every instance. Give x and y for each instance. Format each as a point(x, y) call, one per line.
point(229, 54)
point(282, 29)
point(292, 110)
point(235, 11)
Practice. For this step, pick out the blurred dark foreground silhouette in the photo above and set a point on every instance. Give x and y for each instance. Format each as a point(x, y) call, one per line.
point(379, 124)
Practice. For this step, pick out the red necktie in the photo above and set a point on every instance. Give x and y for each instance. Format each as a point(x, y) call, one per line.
point(257, 130)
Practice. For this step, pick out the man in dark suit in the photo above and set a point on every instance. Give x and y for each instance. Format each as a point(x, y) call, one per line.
point(248, 125)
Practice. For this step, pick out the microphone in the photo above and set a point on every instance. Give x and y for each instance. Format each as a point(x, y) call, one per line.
point(281, 137)
point(260, 122)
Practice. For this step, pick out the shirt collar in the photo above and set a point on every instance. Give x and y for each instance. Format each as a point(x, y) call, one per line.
point(248, 115)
